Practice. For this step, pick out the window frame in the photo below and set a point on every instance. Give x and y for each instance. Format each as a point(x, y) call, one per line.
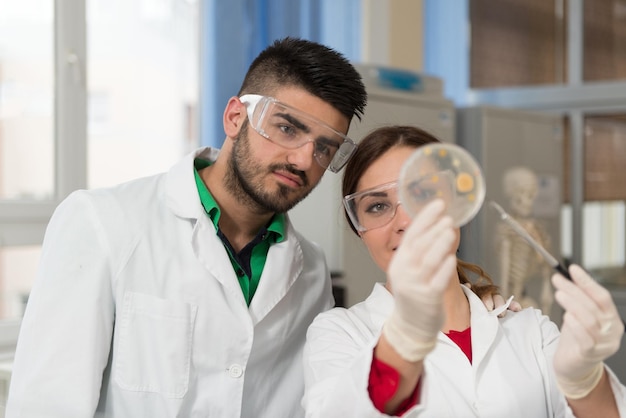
point(23, 222)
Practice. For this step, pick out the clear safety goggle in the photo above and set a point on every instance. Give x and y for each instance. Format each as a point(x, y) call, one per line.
point(377, 206)
point(292, 128)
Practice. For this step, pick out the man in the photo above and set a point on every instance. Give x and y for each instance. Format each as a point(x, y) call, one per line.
point(188, 294)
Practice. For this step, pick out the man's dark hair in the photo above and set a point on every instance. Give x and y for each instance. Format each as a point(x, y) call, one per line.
point(316, 68)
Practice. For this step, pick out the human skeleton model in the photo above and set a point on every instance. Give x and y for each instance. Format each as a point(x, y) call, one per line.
point(519, 261)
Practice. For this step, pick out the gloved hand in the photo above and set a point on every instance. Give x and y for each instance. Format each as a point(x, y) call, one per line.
point(419, 273)
point(493, 301)
point(496, 300)
point(591, 332)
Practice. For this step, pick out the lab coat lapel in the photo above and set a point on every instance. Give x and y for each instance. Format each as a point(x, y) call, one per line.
point(181, 189)
point(184, 201)
point(485, 327)
point(213, 256)
point(283, 266)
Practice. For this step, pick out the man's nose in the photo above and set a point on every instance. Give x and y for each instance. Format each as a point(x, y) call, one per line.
point(302, 157)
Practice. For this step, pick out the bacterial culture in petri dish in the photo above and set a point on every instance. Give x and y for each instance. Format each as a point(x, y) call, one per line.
point(445, 171)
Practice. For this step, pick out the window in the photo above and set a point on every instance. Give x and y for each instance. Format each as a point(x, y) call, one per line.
point(26, 100)
point(142, 86)
point(17, 271)
point(27, 157)
point(65, 118)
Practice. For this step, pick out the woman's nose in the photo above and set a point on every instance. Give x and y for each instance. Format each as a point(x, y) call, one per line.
point(401, 219)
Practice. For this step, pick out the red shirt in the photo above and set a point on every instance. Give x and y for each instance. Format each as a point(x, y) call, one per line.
point(384, 379)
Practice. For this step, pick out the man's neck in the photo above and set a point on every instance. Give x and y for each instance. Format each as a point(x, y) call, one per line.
point(238, 222)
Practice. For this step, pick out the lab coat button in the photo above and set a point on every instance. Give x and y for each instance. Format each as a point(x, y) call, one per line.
point(235, 371)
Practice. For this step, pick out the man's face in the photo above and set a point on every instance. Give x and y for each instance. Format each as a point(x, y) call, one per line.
point(272, 177)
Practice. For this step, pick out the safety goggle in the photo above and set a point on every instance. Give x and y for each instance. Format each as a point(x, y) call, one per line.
point(377, 206)
point(292, 128)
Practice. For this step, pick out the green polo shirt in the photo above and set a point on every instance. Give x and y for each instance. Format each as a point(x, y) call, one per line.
point(250, 261)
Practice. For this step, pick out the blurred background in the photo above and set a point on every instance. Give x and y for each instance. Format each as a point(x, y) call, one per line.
point(97, 92)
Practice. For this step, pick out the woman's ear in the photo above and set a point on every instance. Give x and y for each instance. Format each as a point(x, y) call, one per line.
point(234, 116)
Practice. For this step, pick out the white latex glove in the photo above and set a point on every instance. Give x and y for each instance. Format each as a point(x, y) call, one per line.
point(495, 301)
point(419, 273)
point(591, 332)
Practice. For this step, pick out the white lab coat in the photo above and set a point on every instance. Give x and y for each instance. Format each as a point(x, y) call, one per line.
point(510, 375)
point(136, 312)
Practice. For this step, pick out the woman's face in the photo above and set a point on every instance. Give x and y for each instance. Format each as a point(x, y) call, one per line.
point(382, 242)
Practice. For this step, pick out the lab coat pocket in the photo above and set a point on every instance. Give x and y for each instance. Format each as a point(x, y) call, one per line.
point(154, 345)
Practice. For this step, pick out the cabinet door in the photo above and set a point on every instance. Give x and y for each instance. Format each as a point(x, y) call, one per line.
point(517, 150)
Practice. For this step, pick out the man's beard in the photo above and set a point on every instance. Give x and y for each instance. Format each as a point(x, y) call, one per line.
point(245, 179)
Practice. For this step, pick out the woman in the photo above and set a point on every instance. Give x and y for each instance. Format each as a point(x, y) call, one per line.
point(424, 345)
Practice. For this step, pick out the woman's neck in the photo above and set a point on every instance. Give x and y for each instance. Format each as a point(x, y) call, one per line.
point(456, 307)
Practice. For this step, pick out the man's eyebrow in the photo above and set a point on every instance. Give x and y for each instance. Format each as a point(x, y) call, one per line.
point(294, 121)
point(305, 128)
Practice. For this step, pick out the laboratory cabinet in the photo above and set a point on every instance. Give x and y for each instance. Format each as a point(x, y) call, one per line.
point(521, 155)
point(503, 141)
point(320, 216)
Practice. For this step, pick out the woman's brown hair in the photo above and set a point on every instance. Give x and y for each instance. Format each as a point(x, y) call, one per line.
point(370, 149)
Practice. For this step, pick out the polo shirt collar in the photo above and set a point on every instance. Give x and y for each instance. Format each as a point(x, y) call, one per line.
point(276, 227)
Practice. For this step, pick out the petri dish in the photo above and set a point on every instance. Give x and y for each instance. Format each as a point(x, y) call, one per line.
point(445, 171)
